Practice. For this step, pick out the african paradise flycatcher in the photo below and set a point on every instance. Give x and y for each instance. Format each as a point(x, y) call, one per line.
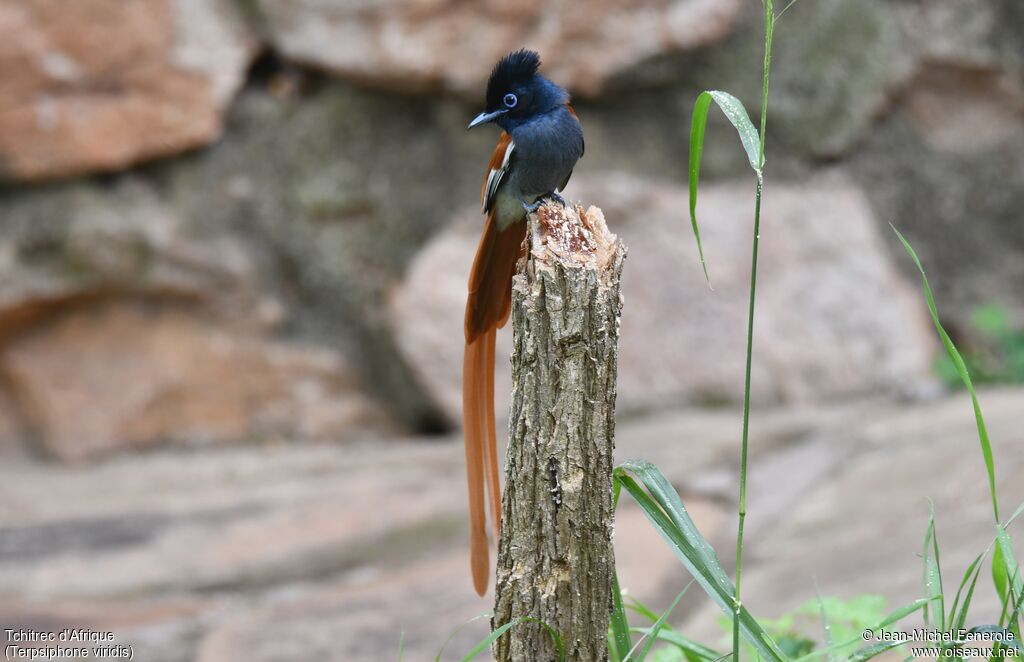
point(540, 142)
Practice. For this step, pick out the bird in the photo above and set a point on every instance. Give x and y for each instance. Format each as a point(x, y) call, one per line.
point(540, 142)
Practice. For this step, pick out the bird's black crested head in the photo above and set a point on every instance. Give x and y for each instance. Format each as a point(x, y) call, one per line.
point(516, 93)
point(515, 71)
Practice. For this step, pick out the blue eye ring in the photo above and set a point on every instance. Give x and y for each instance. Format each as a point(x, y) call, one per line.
point(510, 100)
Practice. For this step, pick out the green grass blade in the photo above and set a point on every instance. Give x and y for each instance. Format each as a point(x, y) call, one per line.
point(932, 576)
point(1013, 584)
point(401, 645)
point(688, 646)
point(665, 510)
point(899, 614)
point(958, 613)
point(456, 631)
point(961, 368)
point(1015, 515)
point(613, 652)
point(619, 622)
point(1005, 546)
point(693, 650)
point(486, 642)
point(697, 127)
point(1014, 626)
point(651, 635)
point(999, 578)
point(893, 617)
point(489, 639)
point(642, 609)
point(559, 647)
point(666, 495)
point(734, 111)
point(826, 627)
point(873, 650)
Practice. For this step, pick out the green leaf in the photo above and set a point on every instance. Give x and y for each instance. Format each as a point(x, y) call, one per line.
point(486, 642)
point(665, 510)
point(1013, 625)
point(619, 622)
point(901, 613)
point(958, 361)
point(642, 609)
point(999, 573)
point(873, 650)
point(825, 625)
point(932, 579)
point(735, 113)
point(613, 652)
point(1010, 579)
point(958, 619)
point(456, 631)
point(651, 635)
point(688, 646)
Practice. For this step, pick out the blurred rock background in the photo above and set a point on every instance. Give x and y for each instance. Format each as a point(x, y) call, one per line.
point(231, 226)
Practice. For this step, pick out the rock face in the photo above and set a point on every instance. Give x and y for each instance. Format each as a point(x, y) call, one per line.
point(125, 326)
point(834, 319)
point(98, 85)
point(119, 377)
point(828, 88)
point(293, 235)
point(441, 42)
point(946, 160)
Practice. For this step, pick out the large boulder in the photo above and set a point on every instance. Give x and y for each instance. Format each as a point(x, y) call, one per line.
point(103, 84)
point(441, 42)
point(123, 376)
point(946, 161)
point(127, 325)
point(834, 317)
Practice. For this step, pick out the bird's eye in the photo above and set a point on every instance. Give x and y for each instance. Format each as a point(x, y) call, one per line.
point(511, 100)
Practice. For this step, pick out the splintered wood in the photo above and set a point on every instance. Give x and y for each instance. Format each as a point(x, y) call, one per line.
point(573, 236)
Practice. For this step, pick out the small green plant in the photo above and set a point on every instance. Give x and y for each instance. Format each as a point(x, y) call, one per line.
point(994, 352)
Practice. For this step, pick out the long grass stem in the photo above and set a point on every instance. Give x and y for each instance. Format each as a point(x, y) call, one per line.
point(769, 21)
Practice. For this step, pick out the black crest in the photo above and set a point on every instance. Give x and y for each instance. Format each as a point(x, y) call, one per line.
point(514, 70)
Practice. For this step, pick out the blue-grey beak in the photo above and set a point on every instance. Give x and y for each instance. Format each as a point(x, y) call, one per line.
point(484, 118)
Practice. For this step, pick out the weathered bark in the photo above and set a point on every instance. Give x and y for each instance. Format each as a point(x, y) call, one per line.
point(555, 559)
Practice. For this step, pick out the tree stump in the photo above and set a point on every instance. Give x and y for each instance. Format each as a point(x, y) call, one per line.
point(555, 558)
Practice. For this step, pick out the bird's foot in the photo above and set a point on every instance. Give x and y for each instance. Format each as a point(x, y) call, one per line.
point(534, 206)
point(530, 207)
point(557, 198)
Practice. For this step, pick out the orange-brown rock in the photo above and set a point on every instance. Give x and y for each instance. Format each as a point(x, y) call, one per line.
point(835, 318)
point(111, 376)
point(443, 42)
point(98, 85)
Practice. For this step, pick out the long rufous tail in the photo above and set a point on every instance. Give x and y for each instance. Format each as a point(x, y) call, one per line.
point(487, 309)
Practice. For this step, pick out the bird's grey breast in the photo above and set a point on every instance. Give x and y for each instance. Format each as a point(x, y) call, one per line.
point(547, 148)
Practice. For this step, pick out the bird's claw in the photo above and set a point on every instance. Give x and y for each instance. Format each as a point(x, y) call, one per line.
point(532, 207)
point(557, 198)
point(529, 208)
